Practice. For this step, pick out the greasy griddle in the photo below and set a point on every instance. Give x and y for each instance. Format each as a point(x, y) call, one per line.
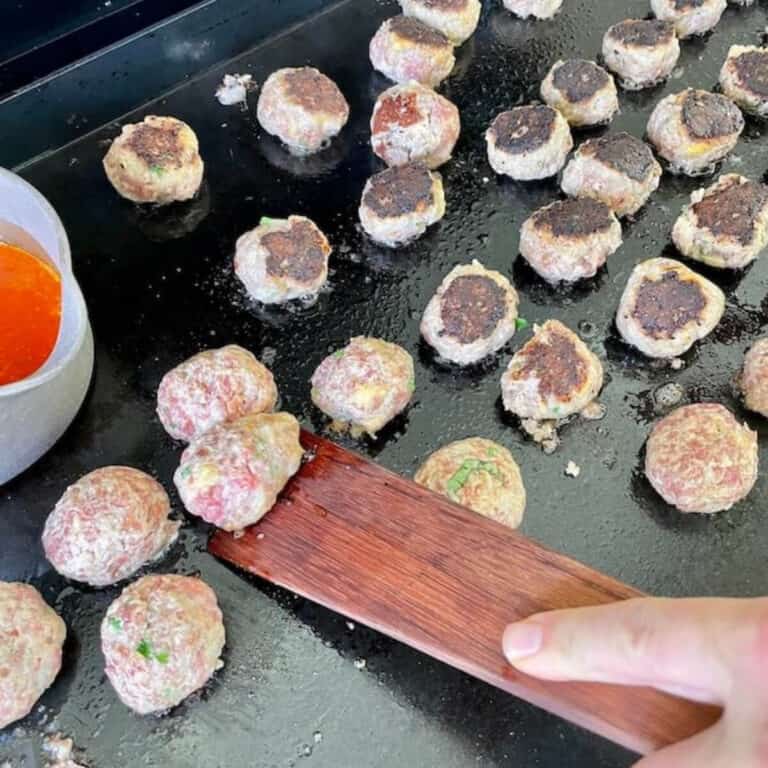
point(159, 285)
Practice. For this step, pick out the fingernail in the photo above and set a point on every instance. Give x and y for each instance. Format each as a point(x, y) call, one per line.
point(522, 640)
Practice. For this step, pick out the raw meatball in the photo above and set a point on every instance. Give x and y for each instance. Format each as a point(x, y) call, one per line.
point(406, 49)
point(690, 17)
point(400, 203)
point(693, 130)
point(700, 459)
point(412, 123)
point(31, 638)
point(618, 169)
point(162, 640)
point(107, 525)
point(744, 78)
point(472, 315)
point(155, 161)
point(282, 259)
point(570, 239)
point(303, 108)
point(529, 143)
point(666, 308)
point(478, 474)
point(754, 378)
point(583, 92)
point(231, 475)
point(539, 9)
point(456, 19)
point(642, 52)
point(364, 385)
point(725, 225)
point(212, 387)
point(552, 376)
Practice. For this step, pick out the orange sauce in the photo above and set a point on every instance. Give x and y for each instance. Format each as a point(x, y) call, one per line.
point(30, 312)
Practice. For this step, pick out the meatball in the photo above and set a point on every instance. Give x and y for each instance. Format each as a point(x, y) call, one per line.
point(539, 9)
point(400, 203)
point(31, 639)
point(303, 108)
point(700, 459)
point(529, 143)
point(693, 130)
point(690, 17)
point(570, 240)
point(231, 475)
point(726, 225)
point(155, 161)
point(744, 78)
point(412, 123)
point(754, 378)
point(162, 641)
point(282, 259)
point(213, 387)
point(107, 525)
point(364, 385)
point(583, 92)
point(552, 376)
point(472, 315)
point(406, 49)
point(642, 52)
point(617, 169)
point(666, 308)
point(456, 19)
point(478, 474)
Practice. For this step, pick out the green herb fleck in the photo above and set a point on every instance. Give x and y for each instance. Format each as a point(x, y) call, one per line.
point(491, 452)
point(186, 472)
point(521, 323)
point(115, 623)
point(460, 477)
point(412, 384)
point(339, 353)
point(158, 170)
point(265, 220)
point(556, 410)
point(162, 657)
point(144, 649)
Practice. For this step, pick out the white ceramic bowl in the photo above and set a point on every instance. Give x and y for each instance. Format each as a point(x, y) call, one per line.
point(35, 411)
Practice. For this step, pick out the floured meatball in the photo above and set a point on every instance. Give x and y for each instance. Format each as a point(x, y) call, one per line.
point(31, 638)
point(412, 123)
point(754, 378)
point(282, 259)
point(539, 9)
point(400, 203)
point(303, 108)
point(406, 49)
point(552, 376)
point(583, 92)
point(364, 385)
point(231, 475)
point(693, 130)
point(155, 161)
point(642, 52)
point(617, 169)
point(472, 315)
point(690, 17)
point(700, 459)
point(478, 474)
point(456, 19)
point(570, 240)
point(726, 225)
point(213, 387)
point(108, 525)
point(529, 143)
point(666, 308)
point(162, 640)
point(744, 78)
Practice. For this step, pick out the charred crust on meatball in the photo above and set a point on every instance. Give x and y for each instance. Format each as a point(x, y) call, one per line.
point(752, 70)
point(298, 253)
point(398, 109)
point(524, 129)
point(156, 146)
point(644, 34)
point(400, 191)
point(662, 307)
point(417, 32)
point(732, 210)
point(555, 363)
point(575, 217)
point(710, 115)
point(624, 153)
point(579, 79)
point(314, 91)
point(471, 308)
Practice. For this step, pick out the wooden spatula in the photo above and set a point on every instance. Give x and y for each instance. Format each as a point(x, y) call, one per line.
point(389, 554)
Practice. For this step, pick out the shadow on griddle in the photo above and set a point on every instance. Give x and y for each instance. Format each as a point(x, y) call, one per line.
point(319, 163)
point(540, 292)
point(458, 377)
point(160, 223)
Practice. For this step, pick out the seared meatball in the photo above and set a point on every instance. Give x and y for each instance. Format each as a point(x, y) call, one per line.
point(529, 143)
point(666, 308)
point(364, 385)
point(162, 641)
point(31, 638)
point(231, 475)
point(406, 49)
point(693, 130)
point(539, 9)
point(472, 314)
point(744, 78)
point(107, 525)
point(754, 378)
point(726, 225)
point(155, 161)
point(552, 376)
point(282, 259)
point(213, 387)
point(412, 123)
point(617, 169)
point(690, 17)
point(570, 239)
point(303, 108)
point(642, 52)
point(583, 92)
point(478, 474)
point(700, 459)
point(456, 19)
point(400, 203)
